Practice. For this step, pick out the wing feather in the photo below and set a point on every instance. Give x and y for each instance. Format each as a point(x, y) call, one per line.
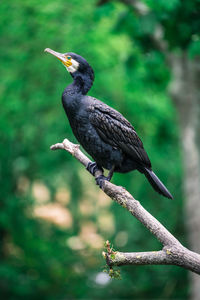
point(115, 130)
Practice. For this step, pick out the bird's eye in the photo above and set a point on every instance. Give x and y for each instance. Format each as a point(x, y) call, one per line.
point(69, 57)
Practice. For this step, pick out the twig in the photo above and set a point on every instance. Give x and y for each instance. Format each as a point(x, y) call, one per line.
point(173, 252)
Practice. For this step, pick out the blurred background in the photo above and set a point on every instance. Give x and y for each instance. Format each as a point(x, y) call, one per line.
point(53, 218)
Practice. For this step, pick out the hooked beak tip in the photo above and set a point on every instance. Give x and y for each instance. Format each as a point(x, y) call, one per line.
point(60, 56)
point(47, 49)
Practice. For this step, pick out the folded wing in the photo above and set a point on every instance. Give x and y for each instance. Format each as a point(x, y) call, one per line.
point(115, 130)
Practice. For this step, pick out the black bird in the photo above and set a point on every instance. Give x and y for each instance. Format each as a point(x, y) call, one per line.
point(102, 131)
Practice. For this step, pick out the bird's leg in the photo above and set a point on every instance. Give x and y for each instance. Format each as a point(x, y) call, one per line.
point(92, 167)
point(110, 174)
point(100, 179)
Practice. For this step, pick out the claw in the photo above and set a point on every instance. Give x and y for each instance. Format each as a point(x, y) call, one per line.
point(100, 181)
point(92, 167)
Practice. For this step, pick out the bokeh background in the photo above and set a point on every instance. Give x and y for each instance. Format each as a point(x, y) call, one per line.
point(53, 218)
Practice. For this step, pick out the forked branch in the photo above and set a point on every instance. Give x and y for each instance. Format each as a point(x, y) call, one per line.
point(172, 253)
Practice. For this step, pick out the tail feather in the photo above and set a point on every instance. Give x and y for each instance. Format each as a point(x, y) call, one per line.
point(156, 183)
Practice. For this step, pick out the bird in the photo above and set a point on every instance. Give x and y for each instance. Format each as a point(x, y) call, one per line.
point(105, 134)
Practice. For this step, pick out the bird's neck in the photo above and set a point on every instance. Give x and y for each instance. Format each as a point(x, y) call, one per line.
point(82, 83)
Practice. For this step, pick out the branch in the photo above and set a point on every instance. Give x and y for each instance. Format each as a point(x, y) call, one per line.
point(173, 252)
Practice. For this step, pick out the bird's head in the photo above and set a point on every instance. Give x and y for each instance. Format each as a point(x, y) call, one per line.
point(72, 61)
point(78, 68)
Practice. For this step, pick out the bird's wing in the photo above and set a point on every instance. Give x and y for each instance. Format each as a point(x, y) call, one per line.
point(115, 130)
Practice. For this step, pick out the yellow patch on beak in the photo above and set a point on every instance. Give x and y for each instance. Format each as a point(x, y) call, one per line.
point(68, 63)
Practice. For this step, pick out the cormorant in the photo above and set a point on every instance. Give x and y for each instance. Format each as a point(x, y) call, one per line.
point(102, 131)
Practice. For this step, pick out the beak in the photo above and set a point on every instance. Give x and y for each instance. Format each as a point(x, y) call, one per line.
point(60, 56)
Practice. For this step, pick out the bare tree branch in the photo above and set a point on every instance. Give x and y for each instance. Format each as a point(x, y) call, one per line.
point(173, 252)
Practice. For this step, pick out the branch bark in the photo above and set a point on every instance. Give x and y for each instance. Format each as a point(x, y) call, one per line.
point(172, 253)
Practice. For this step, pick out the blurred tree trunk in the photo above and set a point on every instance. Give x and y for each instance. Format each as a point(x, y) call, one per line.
point(185, 92)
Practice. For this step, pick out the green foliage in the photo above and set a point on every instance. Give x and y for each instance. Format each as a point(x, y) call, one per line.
point(40, 257)
point(180, 20)
point(115, 274)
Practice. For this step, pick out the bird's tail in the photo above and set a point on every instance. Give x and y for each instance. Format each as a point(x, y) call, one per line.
point(156, 183)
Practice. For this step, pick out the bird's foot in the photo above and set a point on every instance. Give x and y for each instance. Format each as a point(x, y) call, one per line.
point(100, 180)
point(92, 167)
